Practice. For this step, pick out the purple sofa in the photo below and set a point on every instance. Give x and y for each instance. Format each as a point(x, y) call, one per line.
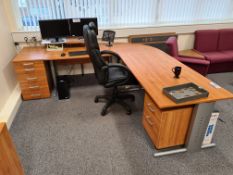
point(217, 47)
point(198, 65)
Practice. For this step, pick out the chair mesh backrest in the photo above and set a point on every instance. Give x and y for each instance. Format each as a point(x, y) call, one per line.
point(92, 47)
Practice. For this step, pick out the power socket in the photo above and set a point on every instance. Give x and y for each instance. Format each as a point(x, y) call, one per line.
point(34, 39)
point(26, 39)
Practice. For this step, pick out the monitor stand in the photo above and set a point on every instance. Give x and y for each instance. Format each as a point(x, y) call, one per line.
point(109, 43)
point(74, 41)
point(57, 40)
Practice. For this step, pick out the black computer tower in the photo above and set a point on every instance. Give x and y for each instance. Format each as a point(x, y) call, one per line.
point(63, 88)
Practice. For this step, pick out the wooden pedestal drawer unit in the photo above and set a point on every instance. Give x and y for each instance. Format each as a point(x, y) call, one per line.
point(33, 79)
point(166, 128)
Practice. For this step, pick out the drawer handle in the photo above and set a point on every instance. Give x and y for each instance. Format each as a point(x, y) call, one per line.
point(28, 64)
point(148, 119)
point(35, 95)
point(30, 70)
point(150, 107)
point(32, 78)
point(34, 87)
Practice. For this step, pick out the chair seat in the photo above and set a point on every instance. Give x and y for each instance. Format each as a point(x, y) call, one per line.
point(218, 57)
point(117, 74)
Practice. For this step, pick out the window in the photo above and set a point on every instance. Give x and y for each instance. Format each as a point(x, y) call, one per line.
point(124, 13)
point(194, 11)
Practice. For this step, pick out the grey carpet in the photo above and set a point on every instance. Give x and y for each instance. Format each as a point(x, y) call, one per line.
point(71, 138)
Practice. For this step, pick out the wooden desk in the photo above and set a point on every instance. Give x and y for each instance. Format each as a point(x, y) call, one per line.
point(40, 54)
point(168, 124)
point(9, 159)
point(32, 69)
point(153, 69)
point(33, 72)
point(191, 53)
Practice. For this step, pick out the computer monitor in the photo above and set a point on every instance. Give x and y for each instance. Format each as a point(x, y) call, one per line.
point(54, 28)
point(76, 25)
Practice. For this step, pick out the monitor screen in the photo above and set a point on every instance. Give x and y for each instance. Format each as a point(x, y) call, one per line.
point(76, 25)
point(54, 28)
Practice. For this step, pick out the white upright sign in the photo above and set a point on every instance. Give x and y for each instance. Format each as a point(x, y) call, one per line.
point(210, 129)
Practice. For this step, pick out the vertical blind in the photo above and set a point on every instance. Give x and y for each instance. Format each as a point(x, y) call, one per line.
point(124, 13)
point(186, 11)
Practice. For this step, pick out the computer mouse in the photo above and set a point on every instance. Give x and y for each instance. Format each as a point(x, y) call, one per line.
point(63, 54)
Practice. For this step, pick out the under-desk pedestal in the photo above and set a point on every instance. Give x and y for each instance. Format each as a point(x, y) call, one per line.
point(197, 128)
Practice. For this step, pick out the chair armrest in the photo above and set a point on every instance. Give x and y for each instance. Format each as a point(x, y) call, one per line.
point(191, 60)
point(111, 53)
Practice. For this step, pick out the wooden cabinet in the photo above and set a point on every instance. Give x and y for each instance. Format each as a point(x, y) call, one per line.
point(166, 128)
point(33, 79)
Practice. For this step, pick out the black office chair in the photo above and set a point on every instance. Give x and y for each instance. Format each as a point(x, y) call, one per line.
point(109, 75)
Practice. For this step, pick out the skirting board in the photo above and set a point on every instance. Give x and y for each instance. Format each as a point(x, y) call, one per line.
point(11, 107)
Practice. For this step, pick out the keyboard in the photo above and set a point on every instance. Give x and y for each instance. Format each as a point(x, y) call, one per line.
point(77, 53)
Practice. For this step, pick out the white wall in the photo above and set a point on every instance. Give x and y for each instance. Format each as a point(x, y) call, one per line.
point(8, 82)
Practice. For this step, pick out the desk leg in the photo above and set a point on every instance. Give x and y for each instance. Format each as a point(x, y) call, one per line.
point(54, 76)
point(82, 69)
point(208, 146)
point(198, 124)
point(166, 153)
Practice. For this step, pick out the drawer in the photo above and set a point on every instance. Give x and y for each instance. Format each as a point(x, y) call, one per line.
point(29, 64)
point(152, 126)
point(31, 75)
point(36, 93)
point(151, 106)
point(152, 117)
point(31, 80)
point(30, 67)
point(33, 86)
point(153, 120)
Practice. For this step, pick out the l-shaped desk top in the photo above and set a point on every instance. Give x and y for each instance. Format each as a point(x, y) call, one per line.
point(151, 67)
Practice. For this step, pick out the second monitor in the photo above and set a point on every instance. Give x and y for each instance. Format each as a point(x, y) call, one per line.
point(54, 29)
point(76, 25)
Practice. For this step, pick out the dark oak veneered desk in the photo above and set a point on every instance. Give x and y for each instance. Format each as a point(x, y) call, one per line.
point(168, 124)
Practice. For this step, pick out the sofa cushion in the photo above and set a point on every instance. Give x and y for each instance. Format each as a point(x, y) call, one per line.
point(225, 39)
point(228, 52)
point(206, 40)
point(218, 57)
